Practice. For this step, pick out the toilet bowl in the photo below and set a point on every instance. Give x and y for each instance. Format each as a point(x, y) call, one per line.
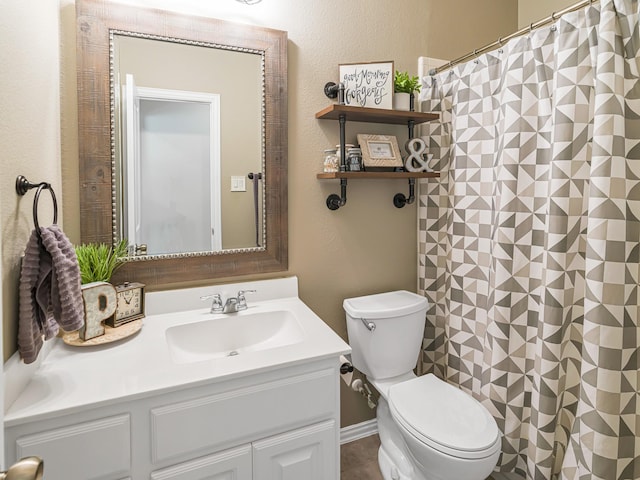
point(447, 433)
point(429, 430)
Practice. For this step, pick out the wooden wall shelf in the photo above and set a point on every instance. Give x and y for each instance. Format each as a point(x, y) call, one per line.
point(378, 175)
point(342, 113)
point(374, 115)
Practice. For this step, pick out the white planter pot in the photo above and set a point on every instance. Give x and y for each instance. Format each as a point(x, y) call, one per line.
point(401, 101)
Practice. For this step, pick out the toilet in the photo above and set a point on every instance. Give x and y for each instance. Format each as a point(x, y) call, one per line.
point(429, 430)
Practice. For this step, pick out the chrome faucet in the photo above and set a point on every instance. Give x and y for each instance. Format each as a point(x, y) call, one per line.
point(231, 305)
point(216, 304)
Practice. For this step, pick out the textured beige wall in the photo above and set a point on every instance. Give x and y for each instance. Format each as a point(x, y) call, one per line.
point(530, 11)
point(453, 28)
point(365, 247)
point(29, 134)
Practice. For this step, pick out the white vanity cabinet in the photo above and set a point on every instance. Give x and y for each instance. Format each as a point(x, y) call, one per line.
point(307, 453)
point(76, 449)
point(136, 410)
point(282, 424)
point(234, 464)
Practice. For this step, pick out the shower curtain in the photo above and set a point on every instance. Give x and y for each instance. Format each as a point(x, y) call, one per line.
point(530, 242)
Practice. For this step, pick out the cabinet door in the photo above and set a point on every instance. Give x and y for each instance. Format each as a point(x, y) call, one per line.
point(233, 464)
point(309, 453)
point(99, 449)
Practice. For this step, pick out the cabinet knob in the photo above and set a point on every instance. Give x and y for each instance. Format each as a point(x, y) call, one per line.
point(28, 468)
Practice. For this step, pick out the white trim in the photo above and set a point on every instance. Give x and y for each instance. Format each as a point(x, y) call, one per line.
point(131, 170)
point(358, 431)
point(3, 388)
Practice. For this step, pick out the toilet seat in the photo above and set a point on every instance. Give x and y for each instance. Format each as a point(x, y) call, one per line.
point(444, 417)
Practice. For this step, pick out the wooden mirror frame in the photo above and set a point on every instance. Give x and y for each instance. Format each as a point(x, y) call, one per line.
point(95, 22)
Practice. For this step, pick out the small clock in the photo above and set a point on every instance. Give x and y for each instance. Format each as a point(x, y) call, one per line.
point(130, 303)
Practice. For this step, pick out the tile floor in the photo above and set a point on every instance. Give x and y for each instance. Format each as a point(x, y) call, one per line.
point(359, 461)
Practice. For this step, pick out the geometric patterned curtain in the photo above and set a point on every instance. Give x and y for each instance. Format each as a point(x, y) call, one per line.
point(530, 242)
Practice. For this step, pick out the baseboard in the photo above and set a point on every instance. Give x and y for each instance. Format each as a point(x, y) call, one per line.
point(358, 431)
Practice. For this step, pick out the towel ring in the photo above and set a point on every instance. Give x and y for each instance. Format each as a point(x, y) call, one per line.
point(23, 186)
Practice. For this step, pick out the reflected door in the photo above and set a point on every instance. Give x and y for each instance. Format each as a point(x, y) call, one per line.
point(172, 170)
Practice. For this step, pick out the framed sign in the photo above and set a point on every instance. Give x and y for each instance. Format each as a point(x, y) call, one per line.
point(380, 150)
point(368, 84)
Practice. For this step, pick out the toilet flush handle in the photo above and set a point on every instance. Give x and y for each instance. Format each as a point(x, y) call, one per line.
point(370, 325)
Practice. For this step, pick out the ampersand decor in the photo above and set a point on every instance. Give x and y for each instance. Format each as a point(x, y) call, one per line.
point(416, 161)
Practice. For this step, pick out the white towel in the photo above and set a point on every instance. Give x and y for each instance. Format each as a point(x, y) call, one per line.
point(50, 293)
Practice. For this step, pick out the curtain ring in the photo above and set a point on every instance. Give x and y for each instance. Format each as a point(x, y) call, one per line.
point(553, 16)
point(530, 27)
point(500, 41)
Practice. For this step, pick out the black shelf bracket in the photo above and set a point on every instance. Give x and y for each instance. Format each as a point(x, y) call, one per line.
point(334, 201)
point(335, 90)
point(411, 124)
point(399, 199)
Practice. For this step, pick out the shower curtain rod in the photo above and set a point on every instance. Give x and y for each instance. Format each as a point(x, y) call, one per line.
point(502, 40)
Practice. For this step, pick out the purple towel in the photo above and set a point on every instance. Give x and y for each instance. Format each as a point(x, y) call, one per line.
point(50, 293)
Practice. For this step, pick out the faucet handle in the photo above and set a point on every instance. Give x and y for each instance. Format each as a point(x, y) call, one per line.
point(216, 305)
point(242, 301)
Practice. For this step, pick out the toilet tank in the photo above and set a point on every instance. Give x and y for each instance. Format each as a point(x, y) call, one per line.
point(391, 348)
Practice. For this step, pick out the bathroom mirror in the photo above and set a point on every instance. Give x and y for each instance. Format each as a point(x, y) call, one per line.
point(188, 148)
point(141, 71)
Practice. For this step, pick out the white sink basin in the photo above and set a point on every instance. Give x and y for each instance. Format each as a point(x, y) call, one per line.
point(233, 334)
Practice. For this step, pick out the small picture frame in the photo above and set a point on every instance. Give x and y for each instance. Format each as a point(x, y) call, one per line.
point(368, 84)
point(380, 151)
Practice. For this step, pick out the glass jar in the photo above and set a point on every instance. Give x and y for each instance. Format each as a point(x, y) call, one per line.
point(347, 146)
point(343, 167)
point(354, 159)
point(331, 161)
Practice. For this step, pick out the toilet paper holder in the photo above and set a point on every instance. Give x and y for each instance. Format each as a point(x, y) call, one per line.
point(345, 368)
point(346, 373)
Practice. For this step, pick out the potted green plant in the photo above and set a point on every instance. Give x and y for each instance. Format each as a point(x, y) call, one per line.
point(404, 87)
point(99, 261)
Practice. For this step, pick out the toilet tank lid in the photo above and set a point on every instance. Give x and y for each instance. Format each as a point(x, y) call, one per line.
point(385, 305)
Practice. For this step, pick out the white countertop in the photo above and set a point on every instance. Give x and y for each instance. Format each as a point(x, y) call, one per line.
point(71, 379)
